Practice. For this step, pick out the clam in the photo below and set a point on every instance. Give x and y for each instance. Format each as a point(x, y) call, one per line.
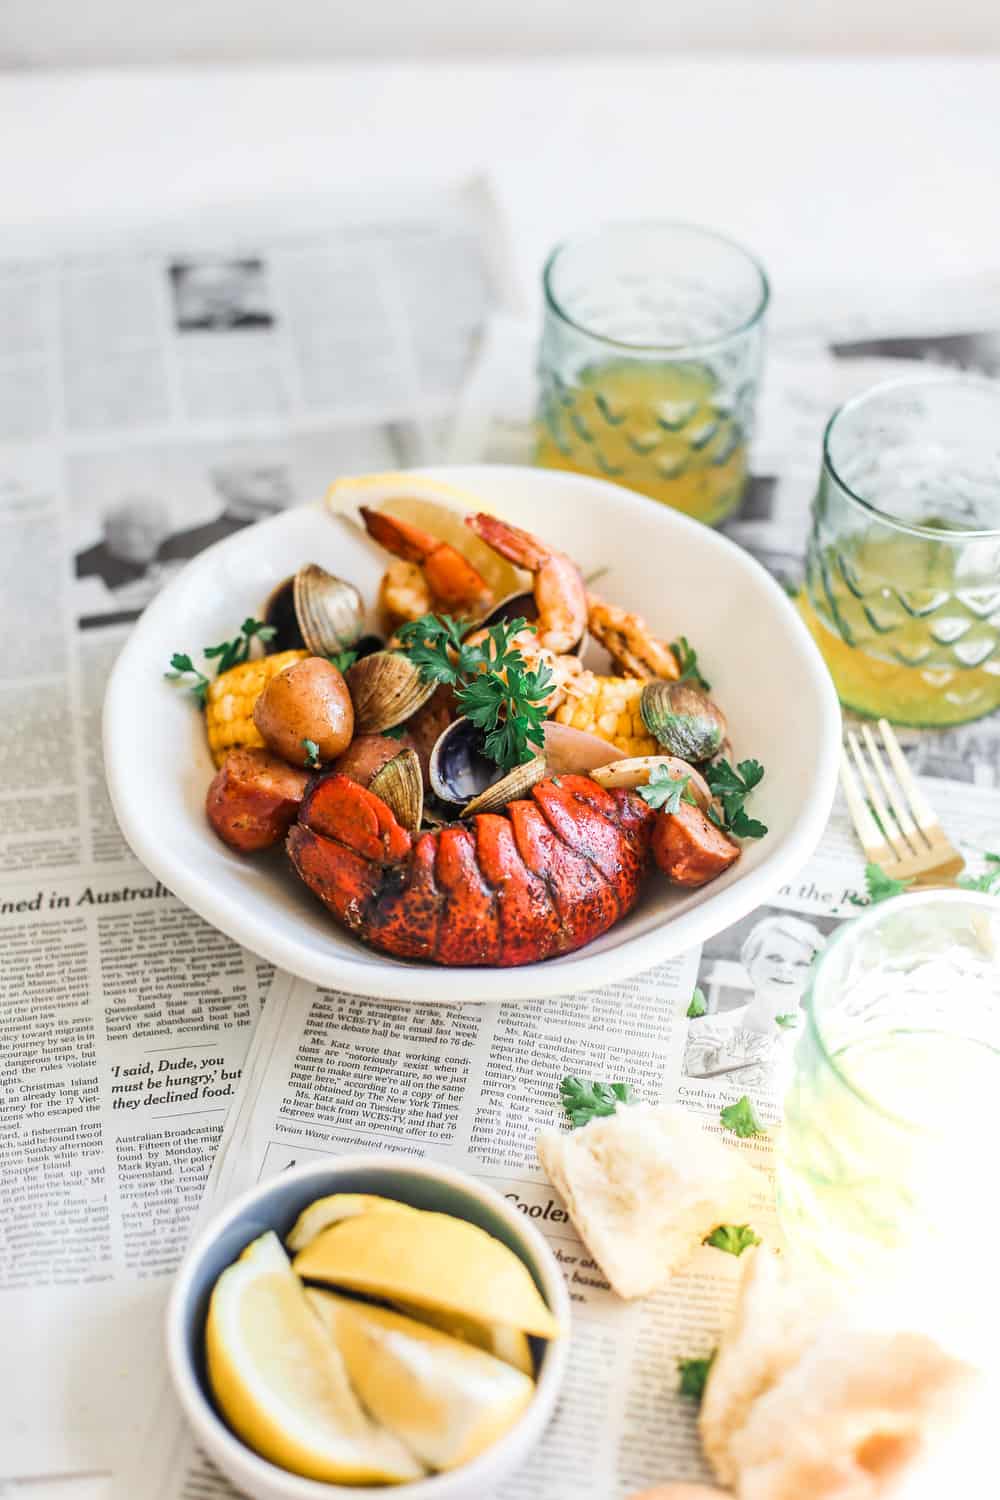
point(316, 610)
point(386, 689)
point(509, 788)
point(636, 771)
point(459, 770)
point(461, 775)
point(682, 719)
point(401, 786)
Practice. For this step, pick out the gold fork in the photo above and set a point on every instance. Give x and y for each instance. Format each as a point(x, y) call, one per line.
point(898, 830)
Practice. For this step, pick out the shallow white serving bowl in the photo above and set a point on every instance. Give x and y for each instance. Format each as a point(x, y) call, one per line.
point(683, 577)
point(276, 1204)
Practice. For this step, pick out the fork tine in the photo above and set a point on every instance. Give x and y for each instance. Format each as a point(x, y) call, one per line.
point(922, 810)
point(907, 826)
point(882, 813)
point(864, 824)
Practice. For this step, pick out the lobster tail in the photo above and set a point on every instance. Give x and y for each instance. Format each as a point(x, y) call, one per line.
point(546, 876)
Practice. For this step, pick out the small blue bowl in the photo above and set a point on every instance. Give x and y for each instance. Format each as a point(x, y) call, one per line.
point(276, 1204)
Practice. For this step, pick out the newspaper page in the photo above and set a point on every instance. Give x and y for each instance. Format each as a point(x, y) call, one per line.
point(469, 1086)
point(158, 392)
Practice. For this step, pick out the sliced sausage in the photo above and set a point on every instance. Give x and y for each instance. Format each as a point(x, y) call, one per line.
point(254, 799)
point(688, 847)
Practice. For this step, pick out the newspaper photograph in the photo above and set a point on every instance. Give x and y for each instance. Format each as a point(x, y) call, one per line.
point(165, 393)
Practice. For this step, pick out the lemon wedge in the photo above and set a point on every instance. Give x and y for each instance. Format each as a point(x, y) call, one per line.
point(446, 1400)
point(508, 1344)
point(432, 1261)
point(436, 507)
point(280, 1380)
point(331, 1210)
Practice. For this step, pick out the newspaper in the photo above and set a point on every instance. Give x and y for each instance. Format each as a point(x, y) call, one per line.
point(159, 391)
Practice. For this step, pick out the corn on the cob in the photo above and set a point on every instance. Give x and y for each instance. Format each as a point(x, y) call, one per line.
point(230, 699)
point(609, 706)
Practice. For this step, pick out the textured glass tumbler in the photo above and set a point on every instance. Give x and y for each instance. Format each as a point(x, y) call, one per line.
point(894, 1087)
point(903, 576)
point(649, 362)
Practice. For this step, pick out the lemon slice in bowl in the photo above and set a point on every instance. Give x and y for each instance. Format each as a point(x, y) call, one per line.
point(323, 1212)
point(503, 1342)
point(435, 507)
point(446, 1400)
point(280, 1381)
point(430, 1260)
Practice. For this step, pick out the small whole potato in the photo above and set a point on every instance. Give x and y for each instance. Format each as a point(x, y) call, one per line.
point(307, 701)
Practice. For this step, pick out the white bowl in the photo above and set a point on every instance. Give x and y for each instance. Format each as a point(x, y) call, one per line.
point(683, 577)
point(276, 1204)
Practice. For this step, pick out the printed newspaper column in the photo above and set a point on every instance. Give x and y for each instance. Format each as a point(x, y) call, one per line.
point(124, 1021)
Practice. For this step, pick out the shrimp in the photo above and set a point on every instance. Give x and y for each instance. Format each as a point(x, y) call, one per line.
point(558, 587)
point(453, 582)
point(403, 593)
point(627, 639)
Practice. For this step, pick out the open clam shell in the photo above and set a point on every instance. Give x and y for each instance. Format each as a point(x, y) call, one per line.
point(314, 609)
point(636, 770)
point(458, 770)
point(386, 689)
point(400, 784)
point(509, 788)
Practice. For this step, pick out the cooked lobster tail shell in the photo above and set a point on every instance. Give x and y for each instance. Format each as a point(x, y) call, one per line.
point(545, 876)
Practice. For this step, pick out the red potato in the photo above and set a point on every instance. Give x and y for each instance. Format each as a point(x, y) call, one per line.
point(306, 705)
point(367, 754)
point(688, 847)
point(254, 799)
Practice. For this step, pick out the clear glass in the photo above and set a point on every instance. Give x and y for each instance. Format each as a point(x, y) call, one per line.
point(885, 1161)
point(903, 576)
point(649, 362)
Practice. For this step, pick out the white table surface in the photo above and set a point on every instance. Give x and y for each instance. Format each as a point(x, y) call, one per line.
point(835, 172)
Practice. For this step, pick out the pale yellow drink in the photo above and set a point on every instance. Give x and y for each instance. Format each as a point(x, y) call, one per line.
point(661, 428)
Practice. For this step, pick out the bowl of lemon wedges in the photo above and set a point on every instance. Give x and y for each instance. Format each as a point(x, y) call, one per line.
point(363, 1322)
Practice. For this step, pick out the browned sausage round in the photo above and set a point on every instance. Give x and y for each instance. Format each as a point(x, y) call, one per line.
point(254, 799)
point(688, 847)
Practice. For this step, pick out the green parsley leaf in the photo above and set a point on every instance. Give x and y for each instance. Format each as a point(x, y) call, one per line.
point(786, 1021)
point(181, 666)
point(696, 1006)
point(687, 660)
point(429, 643)
point(988, 882)
point(732, 788)
point(732, 1238)
point(231, 653)
point(740, 1118)
point(666, 792)
point(694, 1374)
point(312, 753)
point(395, 733)
point(879, 886)
point(343, 659)
point(585, 1100)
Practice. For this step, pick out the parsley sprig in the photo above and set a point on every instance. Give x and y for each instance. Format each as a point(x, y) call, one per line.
point(694, 1374)
point(494, 686)
point(732, 787)
point(988, 882)
point(225, 655)
point(880, 887)
point(343, 659)
point(732, 1238)
point(312, 753)
point(741, 1119)
point(585, 1100)
point(697, 1005)
point(666, 792)
point(687, 660)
